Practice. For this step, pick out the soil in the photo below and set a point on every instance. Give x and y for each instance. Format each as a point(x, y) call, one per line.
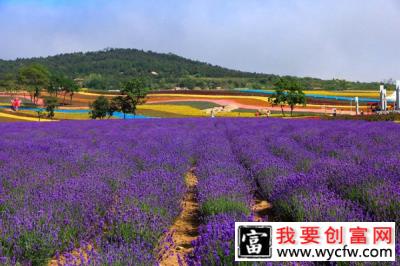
point(78, 255)
point(185, 228)
point(260, 208)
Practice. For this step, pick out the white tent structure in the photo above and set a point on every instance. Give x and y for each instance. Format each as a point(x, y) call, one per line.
point(395, 97)
point(397, 94)
point(392, 98)
point(382, 98)
point(357, 105)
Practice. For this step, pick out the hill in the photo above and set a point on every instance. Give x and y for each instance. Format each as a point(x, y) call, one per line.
point(106, 69)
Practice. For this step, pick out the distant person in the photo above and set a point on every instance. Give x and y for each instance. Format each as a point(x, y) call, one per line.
point(16, 103)
point(334, 112)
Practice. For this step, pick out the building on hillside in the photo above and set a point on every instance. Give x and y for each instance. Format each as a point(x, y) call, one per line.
point(79, 81)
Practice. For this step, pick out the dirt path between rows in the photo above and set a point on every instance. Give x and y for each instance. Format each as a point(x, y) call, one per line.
point(78, 256)
point(185, 228)
point(260, 208)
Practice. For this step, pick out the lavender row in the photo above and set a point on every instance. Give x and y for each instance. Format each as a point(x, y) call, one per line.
point(323, 171)
point(224, 195)
point(116, 185)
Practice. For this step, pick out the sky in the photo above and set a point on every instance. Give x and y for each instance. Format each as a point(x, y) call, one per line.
point(346, 39)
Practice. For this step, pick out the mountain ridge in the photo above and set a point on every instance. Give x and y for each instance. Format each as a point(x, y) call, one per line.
point(108, 68)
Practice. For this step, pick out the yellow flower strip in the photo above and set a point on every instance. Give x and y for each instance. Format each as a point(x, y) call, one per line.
point(175, 109)
point(367, 94)
point(261, 98)
point(25, 118)
point(96, 94)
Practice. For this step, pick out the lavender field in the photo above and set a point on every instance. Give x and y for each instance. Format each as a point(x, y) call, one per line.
point(118, 185)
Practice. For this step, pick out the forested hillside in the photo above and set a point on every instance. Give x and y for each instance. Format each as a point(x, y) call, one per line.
point(107, 69)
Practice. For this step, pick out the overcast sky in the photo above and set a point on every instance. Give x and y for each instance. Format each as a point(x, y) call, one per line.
point(352, 39)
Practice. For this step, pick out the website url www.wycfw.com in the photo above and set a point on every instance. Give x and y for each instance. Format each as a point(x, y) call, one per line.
point(315, 241)
point(328, 254)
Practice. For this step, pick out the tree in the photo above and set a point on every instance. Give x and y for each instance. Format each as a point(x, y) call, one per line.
point(288, 90)
point(51, 104)
point(295, 95)
point(95, 81)
point(33, 78)
point(69, 87)
point(61, 83)
point(342, 84)
point(55, 84)
point(100, 108)
point(7, 83)
point(114, 107)
point(122, 104)
point(279, 97)
point(74, 88)
point(135, 93)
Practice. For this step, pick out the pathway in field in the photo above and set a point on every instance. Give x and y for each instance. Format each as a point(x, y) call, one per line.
point(260, 208)
point(184, 230)
point(79, 256)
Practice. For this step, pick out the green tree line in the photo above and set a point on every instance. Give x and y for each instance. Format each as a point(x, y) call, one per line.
point(36, 78)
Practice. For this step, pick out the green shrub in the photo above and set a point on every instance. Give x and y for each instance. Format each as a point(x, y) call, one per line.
point(30, 241)
point(223, 205)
